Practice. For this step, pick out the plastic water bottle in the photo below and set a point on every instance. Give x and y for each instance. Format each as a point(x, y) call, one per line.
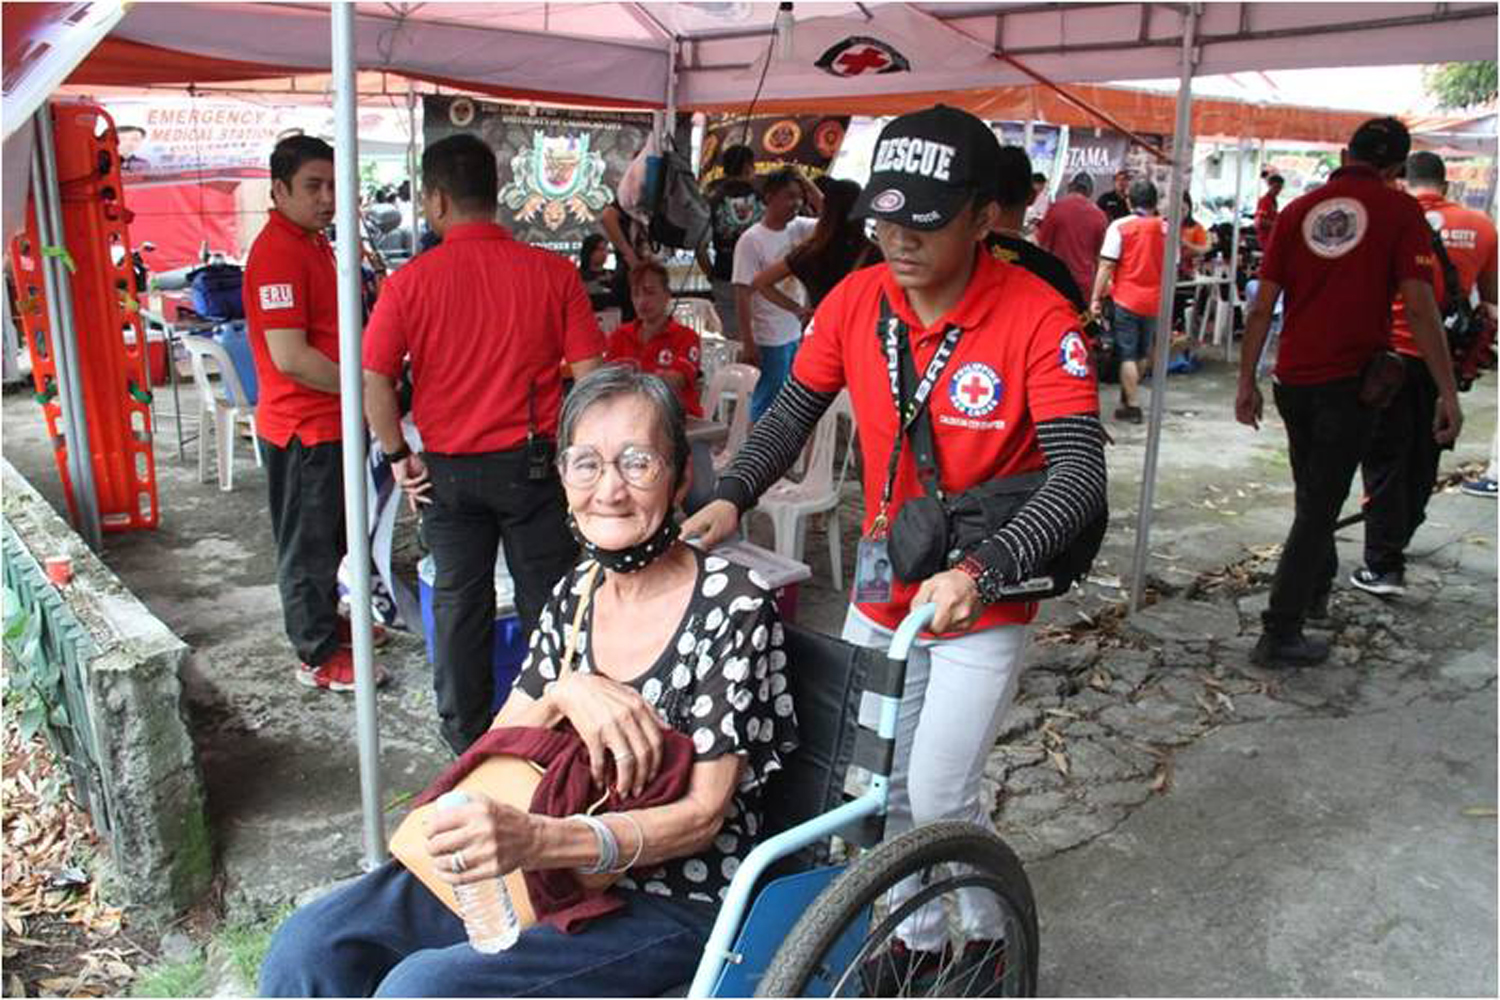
point(489, 916)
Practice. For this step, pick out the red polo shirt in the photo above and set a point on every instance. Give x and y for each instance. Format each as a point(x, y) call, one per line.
point(487, 322)
point(1266, 211)
point(291, 283)
point(675, 349)
point(1021, 360)
point(1136, 243)
point(1073, 229)
point(1469, 238)
point(1340, 253)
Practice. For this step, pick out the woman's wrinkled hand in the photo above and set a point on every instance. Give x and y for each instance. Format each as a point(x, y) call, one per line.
point(479, 839)
point(614, 721)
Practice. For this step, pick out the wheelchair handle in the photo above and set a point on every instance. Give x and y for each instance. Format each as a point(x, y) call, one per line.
point(915, 621)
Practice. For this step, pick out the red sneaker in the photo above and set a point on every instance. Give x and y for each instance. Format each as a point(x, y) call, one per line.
point(336, 673)
point(346, 637)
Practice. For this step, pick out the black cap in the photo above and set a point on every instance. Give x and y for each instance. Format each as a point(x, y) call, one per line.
point(1381, 142)
point(927, 167)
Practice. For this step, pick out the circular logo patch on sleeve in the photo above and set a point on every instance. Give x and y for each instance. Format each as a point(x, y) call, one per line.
point(975, 389)
point(1074, 354)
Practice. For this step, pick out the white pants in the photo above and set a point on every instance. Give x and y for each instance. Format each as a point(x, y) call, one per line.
point(957, 692)
point(1493, 472)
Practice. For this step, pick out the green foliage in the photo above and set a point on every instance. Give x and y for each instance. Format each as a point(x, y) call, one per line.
point(35, 682)
point(173, 979)
point(1462, 85)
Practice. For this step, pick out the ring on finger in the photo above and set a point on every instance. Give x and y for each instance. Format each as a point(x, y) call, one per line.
point(621, 756)
point(456, 862)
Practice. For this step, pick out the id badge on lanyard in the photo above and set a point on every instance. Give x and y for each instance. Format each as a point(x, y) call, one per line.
point(872, 564)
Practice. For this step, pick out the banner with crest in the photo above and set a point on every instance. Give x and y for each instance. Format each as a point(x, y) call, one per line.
point(558, 168)
point(808, 141)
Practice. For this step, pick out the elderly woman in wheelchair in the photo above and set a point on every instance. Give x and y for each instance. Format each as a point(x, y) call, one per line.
point(659, 658)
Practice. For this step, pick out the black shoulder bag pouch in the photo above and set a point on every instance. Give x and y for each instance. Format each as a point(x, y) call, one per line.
point(933, 532)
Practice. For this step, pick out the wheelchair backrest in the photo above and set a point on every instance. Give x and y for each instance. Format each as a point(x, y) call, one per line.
point(826, 677)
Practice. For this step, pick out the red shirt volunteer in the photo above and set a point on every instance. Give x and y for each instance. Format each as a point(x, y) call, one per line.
point(291, 283)
point(1266, 212)
point(1136, 243)
point(675, 349)
point(1073, 230)
point(471, 390)
point(1469, 238)
point(1376, 238)
point(1021, 359)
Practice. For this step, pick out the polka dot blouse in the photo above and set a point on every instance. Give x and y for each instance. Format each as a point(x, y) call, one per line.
point(720, 681)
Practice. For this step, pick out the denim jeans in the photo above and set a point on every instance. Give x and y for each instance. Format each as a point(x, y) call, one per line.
point(387, 935)
point(1328, 431)
point(775, 367)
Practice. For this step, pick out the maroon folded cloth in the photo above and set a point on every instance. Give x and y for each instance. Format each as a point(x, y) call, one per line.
point(567, 787)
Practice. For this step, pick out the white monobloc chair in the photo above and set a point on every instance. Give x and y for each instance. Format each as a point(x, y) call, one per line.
point(789, 504)
point(221, 404)
point(732, 382)
point(699, 314)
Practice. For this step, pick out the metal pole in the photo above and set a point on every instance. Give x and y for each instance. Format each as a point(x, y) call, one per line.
point(415, 204)
point(671, 119)
point(64, 340)
point(1182, 151)
point(351, 400)
point(1234, 248)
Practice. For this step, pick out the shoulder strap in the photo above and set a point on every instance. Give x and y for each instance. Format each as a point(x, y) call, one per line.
point(571, 649)
point(1452, 294)
point(920, 426)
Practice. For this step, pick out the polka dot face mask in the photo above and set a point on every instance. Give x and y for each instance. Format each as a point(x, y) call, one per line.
point(635, 557)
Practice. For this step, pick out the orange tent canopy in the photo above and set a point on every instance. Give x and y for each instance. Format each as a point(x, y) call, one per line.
point(1138, 110)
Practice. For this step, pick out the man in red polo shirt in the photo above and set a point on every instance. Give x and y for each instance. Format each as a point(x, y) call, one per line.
point(1340, 253)
point(1130, 273)
point(1073, 230)
point(487, 323)
point(1401, 465)
point(291, 308)
point(1005, 376)
point(1266, 210)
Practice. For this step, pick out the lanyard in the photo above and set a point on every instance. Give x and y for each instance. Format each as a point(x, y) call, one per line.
point(898, 357)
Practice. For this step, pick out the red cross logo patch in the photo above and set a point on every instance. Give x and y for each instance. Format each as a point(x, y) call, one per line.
point(1074, 355)
point(975, 389)
point(858, 54)
point(664, 356)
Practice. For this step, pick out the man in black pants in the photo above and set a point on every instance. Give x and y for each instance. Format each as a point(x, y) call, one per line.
point(1341, 253)
point(487, 323)
point(291, 305)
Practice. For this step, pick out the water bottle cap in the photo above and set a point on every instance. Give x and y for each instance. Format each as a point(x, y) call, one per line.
point(454, 798)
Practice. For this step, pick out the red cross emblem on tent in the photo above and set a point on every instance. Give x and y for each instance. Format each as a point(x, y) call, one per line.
point(858, 55)
point(975, 389)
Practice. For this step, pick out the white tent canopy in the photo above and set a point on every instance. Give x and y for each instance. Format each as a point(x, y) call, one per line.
point(620, 51)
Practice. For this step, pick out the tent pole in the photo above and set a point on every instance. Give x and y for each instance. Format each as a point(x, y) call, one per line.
point(415, 202)
point(1234, 247)
point(1182, 152)
point(351, 401)
point(64, 338)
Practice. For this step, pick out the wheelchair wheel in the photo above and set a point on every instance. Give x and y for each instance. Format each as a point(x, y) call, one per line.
point(842, 945)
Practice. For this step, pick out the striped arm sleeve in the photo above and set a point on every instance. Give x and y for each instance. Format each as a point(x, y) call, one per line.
point(774, 444)
point(1074, 493)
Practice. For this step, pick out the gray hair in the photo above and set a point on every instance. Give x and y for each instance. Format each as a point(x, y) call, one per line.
point(612, 381)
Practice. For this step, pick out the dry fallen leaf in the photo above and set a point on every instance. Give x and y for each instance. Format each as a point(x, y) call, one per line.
point(1059, 761)
point(1480, 812)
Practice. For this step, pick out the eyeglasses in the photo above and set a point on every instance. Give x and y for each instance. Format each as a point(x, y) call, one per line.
point(581, 466)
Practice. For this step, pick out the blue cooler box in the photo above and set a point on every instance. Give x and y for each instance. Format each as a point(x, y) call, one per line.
point(510, 638)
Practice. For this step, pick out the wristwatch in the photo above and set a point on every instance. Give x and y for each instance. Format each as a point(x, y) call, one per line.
point(402, 452)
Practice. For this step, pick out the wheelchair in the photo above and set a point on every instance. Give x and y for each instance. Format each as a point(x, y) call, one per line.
point(844, 917)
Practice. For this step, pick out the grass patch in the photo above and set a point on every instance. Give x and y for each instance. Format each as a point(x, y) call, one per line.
point(173, 979)
point(246, 944)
